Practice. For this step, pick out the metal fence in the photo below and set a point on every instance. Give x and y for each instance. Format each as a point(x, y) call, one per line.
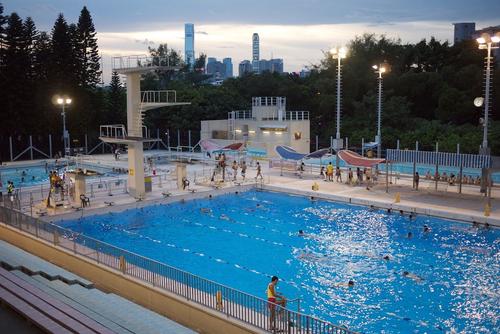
point(230, 302)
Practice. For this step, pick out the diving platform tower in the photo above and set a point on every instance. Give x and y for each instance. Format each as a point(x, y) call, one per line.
point(138, 102)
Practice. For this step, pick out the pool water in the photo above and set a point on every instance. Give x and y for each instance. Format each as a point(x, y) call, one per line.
point(242, 239)
point(32, 175)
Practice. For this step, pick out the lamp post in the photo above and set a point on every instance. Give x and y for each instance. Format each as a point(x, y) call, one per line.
point(338, 54)
point(63, 102)
point(487, 42)
point(379, 69)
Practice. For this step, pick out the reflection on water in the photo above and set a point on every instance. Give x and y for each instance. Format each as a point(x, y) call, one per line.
point(439, 280)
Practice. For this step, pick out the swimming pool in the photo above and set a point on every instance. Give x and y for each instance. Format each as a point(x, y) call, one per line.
point(241, 240)
point(31, 175)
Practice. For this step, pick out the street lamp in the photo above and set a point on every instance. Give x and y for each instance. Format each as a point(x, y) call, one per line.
point(487, 42)
point(338, 53)
point(63, 102)
point(379, 69)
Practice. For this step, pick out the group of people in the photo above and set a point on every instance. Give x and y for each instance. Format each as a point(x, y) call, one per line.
point(235, 166)
point(328, 173)
point(452, 178)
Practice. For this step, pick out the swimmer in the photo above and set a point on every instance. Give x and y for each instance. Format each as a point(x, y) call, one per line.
point(389, 210)
point(409, 235)
point(210, 196)
point(224, 217)
point(301, 233)
point(205, 210)
point(348, 284)
point(386, 257)
point(426, 229)
point(401, 212)
point(414, 277)
point(412, 215)
point(372, 208)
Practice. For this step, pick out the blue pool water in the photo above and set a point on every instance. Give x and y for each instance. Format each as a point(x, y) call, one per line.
point(37, 174)
point(245, 238)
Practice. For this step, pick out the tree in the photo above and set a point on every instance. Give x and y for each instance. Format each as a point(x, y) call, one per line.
point(116, 112)
point(61, 67)
point(87, 51)
point(16, 81)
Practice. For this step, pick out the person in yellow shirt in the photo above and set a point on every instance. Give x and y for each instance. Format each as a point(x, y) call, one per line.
point(274, 299)
point(329, 172)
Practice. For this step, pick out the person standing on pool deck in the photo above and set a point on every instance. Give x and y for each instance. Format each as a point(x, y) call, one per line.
point(235, 169)
point(329, 172)
point(416, 178)
point(274, 298)
point(259, 171)
point(243, 169)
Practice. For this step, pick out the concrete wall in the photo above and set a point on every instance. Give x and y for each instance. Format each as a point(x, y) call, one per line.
point(187, 313)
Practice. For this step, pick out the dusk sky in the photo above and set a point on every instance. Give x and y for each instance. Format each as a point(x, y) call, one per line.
point(295, 30)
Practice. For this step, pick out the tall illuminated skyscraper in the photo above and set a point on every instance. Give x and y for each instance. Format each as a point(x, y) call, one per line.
point(255, 53)
point(189, 44)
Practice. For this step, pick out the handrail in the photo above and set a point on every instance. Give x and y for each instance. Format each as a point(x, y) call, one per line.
point(134, 61)
point(231, 302)
point(159, 96)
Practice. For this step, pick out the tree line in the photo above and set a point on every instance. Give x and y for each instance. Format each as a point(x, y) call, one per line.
point(428, 91)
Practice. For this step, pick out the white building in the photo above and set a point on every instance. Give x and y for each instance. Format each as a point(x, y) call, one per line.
point(268, 124)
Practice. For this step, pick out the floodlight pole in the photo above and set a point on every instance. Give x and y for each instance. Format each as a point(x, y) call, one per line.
point(379, 116)
point(337, 134)
point(487, 99)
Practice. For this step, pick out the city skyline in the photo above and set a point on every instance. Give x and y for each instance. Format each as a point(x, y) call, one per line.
point(299, 39)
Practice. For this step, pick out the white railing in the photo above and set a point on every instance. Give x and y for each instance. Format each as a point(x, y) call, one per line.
point(113, 131)
point(119, 63)
point(260, 101)
point(296, 115)
point(240, 114)
point(159, 96)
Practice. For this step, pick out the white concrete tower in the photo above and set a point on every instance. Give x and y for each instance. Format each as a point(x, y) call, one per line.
point(135, 133)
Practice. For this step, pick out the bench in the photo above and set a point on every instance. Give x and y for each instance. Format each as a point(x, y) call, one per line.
point(41, 212)
point(51, 307)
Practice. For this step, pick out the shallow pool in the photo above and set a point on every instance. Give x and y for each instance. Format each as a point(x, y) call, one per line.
point(241, 240)
point(31, 175)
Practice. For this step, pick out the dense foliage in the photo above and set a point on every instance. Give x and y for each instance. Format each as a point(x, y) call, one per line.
point(428, 91)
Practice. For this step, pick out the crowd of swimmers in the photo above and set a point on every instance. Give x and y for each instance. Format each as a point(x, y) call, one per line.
point(362, 175)
point(222, 164)
point(452, 178)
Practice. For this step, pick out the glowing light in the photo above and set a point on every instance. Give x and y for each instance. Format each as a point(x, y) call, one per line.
point(238, 130)
point(481, 40)
point(279, 132)
point(60, 101)
point(265, 132)
point(495, 39)
point(251, 132)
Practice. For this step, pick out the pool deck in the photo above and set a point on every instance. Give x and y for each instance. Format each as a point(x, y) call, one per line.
point(446, 202)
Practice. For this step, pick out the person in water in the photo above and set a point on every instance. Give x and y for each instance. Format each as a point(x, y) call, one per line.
point(348, 284)
point(414, 277)
point(274, 299)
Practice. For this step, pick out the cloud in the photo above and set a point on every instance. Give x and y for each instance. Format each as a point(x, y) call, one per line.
point(145, 42)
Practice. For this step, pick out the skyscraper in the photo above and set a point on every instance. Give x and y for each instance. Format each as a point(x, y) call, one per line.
point(255, 53)
point(463, 31)
point(244, 67)
point(189, 44)
point(228, 63)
